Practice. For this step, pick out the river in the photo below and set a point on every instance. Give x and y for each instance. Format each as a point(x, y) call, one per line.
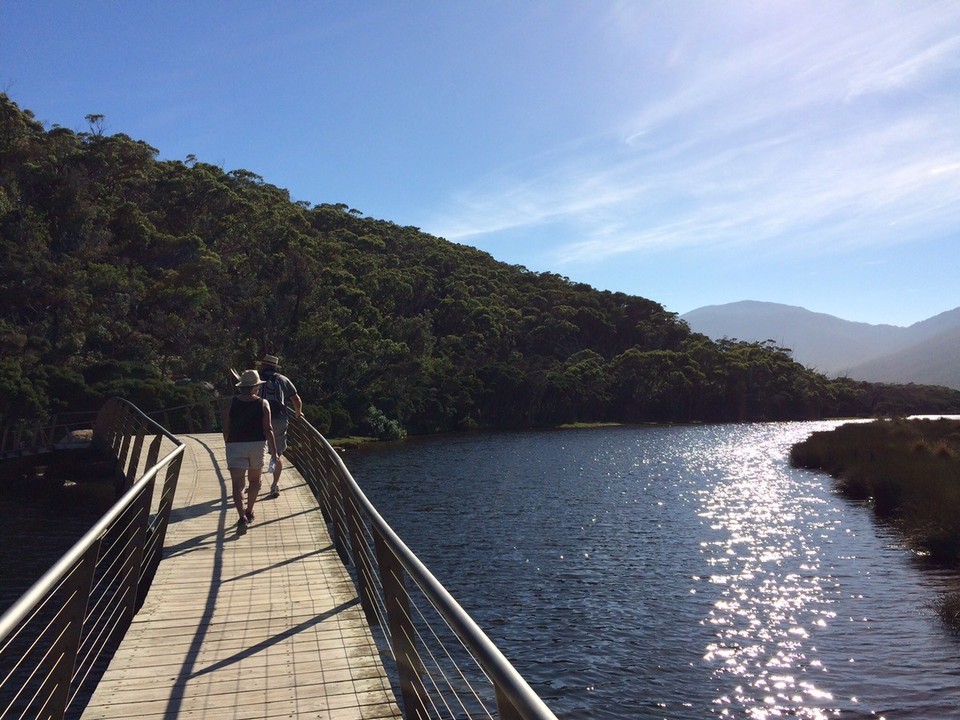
point(39, 521)
point(673, 572)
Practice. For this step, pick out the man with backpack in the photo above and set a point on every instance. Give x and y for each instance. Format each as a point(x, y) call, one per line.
point(280, 392)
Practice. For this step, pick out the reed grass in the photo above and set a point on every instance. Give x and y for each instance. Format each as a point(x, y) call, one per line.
point(909, 472)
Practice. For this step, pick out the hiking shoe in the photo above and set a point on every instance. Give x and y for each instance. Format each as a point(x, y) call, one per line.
point(274, 490)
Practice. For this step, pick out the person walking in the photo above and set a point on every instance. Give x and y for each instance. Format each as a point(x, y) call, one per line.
point(283, 398)
point(247, 431)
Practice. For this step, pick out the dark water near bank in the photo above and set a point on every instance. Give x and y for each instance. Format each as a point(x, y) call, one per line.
point(40, 519)
point(673, 572)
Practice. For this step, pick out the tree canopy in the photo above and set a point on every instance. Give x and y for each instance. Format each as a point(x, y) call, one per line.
point(127, 275)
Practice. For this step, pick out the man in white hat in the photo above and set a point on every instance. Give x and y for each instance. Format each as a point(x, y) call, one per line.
point(283, 397)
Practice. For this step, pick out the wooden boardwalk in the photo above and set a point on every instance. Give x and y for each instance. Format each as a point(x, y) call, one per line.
point(243, 625)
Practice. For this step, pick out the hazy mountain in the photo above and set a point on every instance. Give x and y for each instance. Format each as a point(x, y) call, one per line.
point(821, 341)
point(925, 352)
point(931, 362)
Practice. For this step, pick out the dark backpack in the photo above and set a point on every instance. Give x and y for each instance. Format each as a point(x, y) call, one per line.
point(273, 392)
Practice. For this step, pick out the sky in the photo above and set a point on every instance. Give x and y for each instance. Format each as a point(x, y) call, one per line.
point(690, 152)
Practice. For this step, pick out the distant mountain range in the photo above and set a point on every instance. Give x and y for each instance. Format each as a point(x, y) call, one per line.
point(927, 352)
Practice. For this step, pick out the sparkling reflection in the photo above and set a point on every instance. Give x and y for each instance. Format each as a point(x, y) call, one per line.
point(772, 596)
point(674, 573)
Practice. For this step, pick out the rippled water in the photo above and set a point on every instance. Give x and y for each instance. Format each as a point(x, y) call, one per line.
point(39, 521)
point(673, 572)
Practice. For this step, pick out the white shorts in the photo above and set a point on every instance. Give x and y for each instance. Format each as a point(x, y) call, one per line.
point(246, 455)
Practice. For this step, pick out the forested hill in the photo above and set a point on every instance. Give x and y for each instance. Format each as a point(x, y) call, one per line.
point(125, 275)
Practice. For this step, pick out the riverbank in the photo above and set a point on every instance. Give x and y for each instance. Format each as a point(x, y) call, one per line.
point(349, 443)
point(909, 472)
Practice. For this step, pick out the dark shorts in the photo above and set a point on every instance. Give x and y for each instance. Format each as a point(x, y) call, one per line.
point(280, 423)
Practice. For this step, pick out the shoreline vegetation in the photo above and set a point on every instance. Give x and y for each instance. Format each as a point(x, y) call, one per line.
point(908, 472)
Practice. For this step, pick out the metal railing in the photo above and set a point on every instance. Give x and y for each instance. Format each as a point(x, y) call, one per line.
point(56, 640)
point(198, 417)
point(445, 666)
point(27, 437)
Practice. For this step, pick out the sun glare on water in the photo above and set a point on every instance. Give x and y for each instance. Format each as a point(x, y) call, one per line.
point(772, 598)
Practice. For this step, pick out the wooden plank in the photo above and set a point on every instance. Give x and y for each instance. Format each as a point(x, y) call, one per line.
point(258, 624)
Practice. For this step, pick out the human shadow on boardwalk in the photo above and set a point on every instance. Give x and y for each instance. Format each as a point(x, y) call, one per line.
point(282, 563)
point(217, 541)
point(279, 637)
point(203, 540)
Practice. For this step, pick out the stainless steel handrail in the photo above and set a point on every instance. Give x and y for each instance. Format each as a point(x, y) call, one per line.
point(55, 640)
point(24, 437)
point(380, 571)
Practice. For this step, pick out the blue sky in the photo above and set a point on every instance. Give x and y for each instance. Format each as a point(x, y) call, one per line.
point(694, 153)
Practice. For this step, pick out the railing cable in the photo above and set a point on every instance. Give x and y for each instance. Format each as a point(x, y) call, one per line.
point(452, 685)
point(53, 638)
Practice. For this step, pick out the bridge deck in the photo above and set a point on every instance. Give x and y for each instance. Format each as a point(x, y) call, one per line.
point(261, 624)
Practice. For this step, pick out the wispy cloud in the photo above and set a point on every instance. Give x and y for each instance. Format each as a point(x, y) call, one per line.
point(833, 126)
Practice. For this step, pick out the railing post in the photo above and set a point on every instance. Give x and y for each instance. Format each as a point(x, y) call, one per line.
point(52, 440)
point(122, 454)
point(506, 710)
point(156, 532)
point(68, 645)
point(153, 453)
point(45, 436)
point(133, 566)
point(119, 435)
point(102, 427)
point(162, 519)
point(397, 603)
point(322, 479)
point(304, 452)
point(361, 562)
point(135, 455)
point(337, 520)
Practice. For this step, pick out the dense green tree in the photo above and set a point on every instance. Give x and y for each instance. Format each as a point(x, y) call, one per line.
point(125, 274)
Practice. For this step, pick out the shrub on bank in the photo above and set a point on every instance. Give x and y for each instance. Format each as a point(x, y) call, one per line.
point(909, 472)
